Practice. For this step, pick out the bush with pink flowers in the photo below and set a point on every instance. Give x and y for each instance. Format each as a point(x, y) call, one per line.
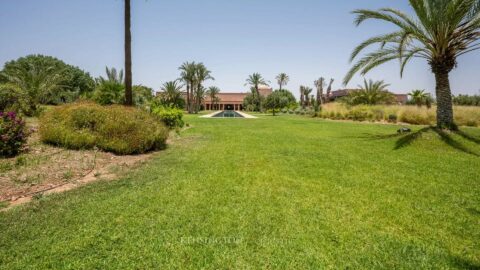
point(13, 135)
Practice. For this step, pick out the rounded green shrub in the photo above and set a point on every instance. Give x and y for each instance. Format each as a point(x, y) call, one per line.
point(118, 129)
point(171, 116)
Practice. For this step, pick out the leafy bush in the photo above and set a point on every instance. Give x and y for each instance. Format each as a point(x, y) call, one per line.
point(13, 134)
point(171, 116)
point(12, 98)
point(108, 93)
point(47, 80)
point(117, 129)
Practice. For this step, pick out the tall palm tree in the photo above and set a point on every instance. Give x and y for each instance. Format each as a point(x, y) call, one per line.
point(201, 75)
point(329, 90)
point(307, 91)
point(319, 84)
point(282, 80)
point(188, 76)
point(213, 92)
point(370, 93)
point(302, 96)
point(419, 97)
point(255, 80)
point(128, 56)
point(441, 31)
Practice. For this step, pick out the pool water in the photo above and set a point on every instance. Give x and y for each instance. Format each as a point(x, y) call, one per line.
point(225, 114)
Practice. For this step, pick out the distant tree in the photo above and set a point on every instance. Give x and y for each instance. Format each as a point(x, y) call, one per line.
point(371, 93)
point(307, 91)
point(441, 31)
point(319, 84)
point(329, 90)
point(213, 92)
point(282, 80)
point(255, 80)
point(171, 95)
point(467, 100)
point(201, 75)
point(276, 101)
point(142, 95)
point(419, 97)
point(188, 70)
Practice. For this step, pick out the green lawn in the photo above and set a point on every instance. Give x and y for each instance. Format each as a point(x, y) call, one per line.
point(274, 192)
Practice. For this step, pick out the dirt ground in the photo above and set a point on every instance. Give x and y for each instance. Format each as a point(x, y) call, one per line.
point(44, 169)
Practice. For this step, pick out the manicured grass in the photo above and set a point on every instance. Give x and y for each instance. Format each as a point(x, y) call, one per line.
point(274, 192)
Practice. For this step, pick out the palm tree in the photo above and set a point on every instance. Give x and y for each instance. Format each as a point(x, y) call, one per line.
point(419, 97)
point(201, 74)
point(282, 79)
point(371, 93)
point(172, 93)
point(212, 92)
point(113, 76)
point(329, 90)
point(255, 80)
point(302, 96)
point(307, 91)
point(200, 94)
point(128, 56)
point(441, 31)
point(319, 84)
point(188, 76)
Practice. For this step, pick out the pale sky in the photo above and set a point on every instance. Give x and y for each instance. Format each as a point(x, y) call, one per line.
point(303, 38)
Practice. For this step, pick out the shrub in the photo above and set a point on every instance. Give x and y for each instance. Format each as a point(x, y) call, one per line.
point(12, 98)
point(392, 118)
point(172, 117)
point(13, 134)
point(109, 92)
point(417, 116)
point(117, 129)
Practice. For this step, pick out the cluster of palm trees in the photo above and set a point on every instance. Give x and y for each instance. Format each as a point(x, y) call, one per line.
point(307, 99)
point(442, 31)
point(194, 75)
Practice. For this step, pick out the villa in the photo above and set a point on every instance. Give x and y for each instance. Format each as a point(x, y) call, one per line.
point(231, 101)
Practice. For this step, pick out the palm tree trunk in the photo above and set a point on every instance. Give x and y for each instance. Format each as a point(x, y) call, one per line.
point(188, 98)
point(128, 56)
point(444, 100)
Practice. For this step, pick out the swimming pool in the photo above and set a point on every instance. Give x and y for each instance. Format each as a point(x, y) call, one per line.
point(228, 114)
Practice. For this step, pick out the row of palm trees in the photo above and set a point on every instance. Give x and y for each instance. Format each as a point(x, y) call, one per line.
point(440, 32)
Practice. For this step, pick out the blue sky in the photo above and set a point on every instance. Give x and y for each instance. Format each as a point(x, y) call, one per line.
point(234, 38)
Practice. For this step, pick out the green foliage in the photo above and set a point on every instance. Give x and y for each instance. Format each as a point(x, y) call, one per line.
point(440, 31)
point(117, 129)
point(277, 100)
point(142, 95)
point(170, 96)
point(12, 98)
point(109, 92)
point(252, 101)
point(47, 80)
point(13, 134)
point(371, 93)
point(467, 100)
point(171, 116)
point(420, 98)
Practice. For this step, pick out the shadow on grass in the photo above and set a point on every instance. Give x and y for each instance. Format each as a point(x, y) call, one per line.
point(464, 263)
point(405, 140)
